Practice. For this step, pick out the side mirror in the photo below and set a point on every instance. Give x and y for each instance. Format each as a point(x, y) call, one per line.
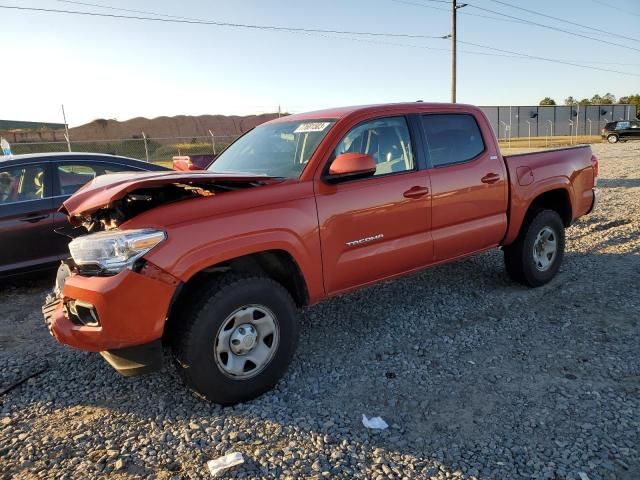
point(351, 166)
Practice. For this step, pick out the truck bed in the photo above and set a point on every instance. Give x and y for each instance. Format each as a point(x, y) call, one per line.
point(568, 171)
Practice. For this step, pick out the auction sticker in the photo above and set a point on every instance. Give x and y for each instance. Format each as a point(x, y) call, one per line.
point(311, 127)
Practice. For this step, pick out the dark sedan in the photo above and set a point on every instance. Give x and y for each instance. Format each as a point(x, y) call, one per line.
point(32, 188)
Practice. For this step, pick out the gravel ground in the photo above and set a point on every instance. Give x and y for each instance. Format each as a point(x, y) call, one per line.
point(476, 376)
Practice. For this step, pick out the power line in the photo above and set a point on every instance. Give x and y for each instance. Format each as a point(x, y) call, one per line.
point(219, 24)
point(321, 32)
point(564, 20)
point(616, 8)
point(550, 59)
point(147, 12)
point(554, 28)
point(461, 12)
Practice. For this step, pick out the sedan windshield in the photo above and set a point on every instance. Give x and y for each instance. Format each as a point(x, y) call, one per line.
point(280, 149)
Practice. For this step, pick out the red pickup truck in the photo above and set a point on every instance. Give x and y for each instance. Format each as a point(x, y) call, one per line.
point(215, 264)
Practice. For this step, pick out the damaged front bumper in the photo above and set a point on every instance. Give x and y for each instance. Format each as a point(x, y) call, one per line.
point(121, 316)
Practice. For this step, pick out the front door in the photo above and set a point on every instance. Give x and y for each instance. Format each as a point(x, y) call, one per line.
point(26, 217)
point(375, 227)
point(469, 185)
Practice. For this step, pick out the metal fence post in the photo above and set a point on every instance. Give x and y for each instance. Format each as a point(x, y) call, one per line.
point(570, 132)
point(546, 136)
point(146, 147)
point(577, 122)
point(66, 137)
point(510, 126)
point(213, 141)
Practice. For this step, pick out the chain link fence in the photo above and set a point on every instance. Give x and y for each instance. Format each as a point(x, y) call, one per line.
point(161, 149)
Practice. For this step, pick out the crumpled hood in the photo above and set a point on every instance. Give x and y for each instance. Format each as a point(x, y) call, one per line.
point(105, 189)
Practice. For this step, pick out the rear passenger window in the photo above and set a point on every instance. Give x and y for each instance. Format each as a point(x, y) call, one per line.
point(452, 138)
point(73, 176)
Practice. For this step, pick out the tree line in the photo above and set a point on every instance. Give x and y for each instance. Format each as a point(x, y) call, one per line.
point(606, 99)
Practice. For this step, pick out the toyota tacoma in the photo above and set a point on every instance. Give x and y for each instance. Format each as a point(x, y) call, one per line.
point(215, 264)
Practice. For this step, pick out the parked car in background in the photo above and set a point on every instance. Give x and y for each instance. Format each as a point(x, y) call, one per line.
point(621, 131)
point(32, 188)
point(192, 162)
point(297, 210)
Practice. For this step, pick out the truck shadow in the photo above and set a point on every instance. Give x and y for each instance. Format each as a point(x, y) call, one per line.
point(472, 373)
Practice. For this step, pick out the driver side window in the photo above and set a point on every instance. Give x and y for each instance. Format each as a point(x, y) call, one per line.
point(387, 140)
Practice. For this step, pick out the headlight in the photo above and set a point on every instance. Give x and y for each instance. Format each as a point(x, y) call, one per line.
point(114, 250)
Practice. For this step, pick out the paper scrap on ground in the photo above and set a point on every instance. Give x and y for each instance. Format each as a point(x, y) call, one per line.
point(375, 423)
point(583, 476)
point(219, 465)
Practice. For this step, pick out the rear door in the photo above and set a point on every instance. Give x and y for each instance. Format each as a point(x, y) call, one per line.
point(26, 216)
point(634, 130)
point(468, 184)
point(375, 227)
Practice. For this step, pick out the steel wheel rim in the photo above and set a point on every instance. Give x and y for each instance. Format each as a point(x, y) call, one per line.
point(246, 342)
point(545, 248)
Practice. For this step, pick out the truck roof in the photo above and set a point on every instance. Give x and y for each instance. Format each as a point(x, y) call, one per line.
point(341, 112)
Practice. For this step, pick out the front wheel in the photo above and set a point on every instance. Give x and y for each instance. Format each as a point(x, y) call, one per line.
point(535, 257)
point(238, 338)
point(612, 139)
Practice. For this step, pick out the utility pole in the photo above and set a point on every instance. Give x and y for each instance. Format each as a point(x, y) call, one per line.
point(454, 23)
point(454, 11)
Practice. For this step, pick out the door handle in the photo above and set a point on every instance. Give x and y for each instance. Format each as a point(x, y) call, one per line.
point(33, 218)
point(490, 178)
point(416, 192)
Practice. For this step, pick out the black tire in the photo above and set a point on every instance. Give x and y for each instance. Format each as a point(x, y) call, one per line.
point(519, 257)
point(612, 139)
point(194, 349)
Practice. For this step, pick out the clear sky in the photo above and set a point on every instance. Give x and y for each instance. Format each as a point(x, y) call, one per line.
point(116, 68)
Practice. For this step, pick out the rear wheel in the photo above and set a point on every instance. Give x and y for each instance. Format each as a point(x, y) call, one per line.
point(238, 338)
point(612, 139)
point(535, 257)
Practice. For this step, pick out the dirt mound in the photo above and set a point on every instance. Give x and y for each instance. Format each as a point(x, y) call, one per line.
point(178, 126)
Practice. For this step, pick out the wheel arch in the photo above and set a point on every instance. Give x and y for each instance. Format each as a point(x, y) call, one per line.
point(277, 264)
point(558, 200)
point(554, 194)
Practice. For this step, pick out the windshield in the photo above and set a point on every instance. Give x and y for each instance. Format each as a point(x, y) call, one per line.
point(276, 150)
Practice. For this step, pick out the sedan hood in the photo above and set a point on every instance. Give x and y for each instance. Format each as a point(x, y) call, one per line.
point(102, 191)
